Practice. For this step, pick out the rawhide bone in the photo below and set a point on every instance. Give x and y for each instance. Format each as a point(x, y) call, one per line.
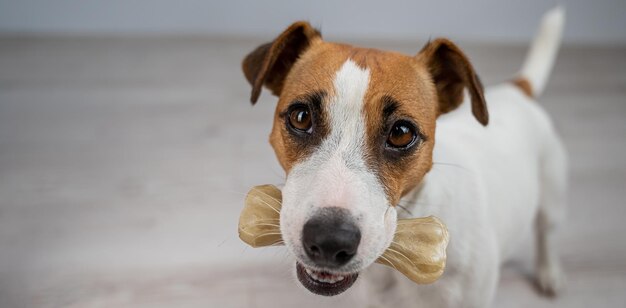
point(418, 249)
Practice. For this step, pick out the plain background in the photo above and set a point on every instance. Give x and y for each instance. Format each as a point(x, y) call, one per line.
point(590, 21)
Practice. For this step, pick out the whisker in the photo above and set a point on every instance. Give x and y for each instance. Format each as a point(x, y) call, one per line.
point(451, 165)
point(268, 220)
point(387, 260)
point(421, 204)
point(269, 233)
point(421, 223)
point(278, 243)
point(401, 254)
point(267, 224)
point(433, 204)
point(404, 208)
point(271, 197)
point(270, 206)
point(266, 234)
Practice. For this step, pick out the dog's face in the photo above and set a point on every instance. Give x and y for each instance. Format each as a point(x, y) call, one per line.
point(354, 130)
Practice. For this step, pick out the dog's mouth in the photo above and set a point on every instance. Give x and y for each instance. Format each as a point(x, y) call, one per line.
point(323, 282)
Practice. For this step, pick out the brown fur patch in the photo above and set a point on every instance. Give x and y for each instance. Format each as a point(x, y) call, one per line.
point(524, 85)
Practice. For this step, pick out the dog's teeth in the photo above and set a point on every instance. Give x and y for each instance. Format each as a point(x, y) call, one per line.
point(324, 277)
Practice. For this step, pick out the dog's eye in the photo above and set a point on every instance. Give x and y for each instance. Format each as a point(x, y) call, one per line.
point(300, 119)
point(402, 135)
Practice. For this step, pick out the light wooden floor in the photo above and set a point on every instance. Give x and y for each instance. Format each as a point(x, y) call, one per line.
point(123, 164)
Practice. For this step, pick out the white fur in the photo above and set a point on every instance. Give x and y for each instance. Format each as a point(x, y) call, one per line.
point(490, 185)
point(336, 175)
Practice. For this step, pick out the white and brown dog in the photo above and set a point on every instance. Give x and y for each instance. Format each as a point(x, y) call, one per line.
point(361, 131)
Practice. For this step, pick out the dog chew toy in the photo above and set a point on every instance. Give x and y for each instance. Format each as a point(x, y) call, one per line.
point(418, 249)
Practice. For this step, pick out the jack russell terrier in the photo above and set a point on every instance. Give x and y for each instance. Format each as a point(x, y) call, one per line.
point(361, 132)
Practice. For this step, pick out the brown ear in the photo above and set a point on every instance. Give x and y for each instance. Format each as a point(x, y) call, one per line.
point(269, 64)
point(452, 72)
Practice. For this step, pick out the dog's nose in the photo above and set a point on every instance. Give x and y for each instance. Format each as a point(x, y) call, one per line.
point(331, 238)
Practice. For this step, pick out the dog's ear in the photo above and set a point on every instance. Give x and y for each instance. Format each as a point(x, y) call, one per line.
point(269, 64)
point(452, 72)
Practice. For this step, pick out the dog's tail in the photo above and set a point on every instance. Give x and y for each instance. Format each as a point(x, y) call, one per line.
point(534, 74)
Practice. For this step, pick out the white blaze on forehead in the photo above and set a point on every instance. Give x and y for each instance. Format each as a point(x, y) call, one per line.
point(346, 107)
point(344, 147)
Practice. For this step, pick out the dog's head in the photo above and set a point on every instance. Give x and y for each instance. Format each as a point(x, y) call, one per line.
point(354, 130)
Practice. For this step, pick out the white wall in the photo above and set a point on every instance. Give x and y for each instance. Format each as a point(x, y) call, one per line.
point(590, 21)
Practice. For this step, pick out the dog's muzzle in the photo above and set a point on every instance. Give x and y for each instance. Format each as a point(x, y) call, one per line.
point(330, 240)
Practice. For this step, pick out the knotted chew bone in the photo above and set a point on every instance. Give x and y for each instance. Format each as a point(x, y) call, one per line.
point(418, 249)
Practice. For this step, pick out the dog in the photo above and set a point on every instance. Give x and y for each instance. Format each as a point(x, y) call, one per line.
point(366, 136)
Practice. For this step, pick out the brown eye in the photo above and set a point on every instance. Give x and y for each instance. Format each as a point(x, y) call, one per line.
point(402, 135)
point(300, 119)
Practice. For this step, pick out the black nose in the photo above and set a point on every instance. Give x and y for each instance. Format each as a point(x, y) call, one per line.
point(331, 238)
